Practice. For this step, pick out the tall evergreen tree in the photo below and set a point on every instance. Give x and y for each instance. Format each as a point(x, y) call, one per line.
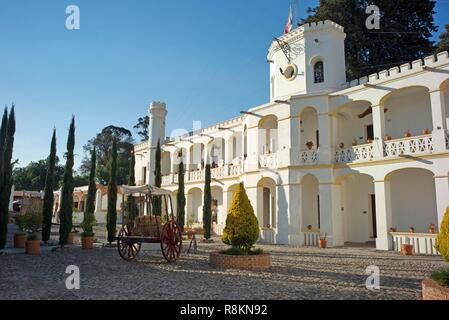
point(157, 200)
point(207, 207)
point(181, 198)
point(89, 213)
point(6, 172)
point(47, 210)
point(66, 211)
point(405, 33)
point(3, 128)
point(111, 218)
point(131, 205)
point(443, 44)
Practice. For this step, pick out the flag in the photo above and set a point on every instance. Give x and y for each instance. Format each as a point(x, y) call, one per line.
point(289, 25)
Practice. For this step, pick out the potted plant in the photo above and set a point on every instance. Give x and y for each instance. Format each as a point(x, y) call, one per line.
point(323, 240)
point(432, 228)
point(388, 137)
point(33, 225)
point(407, 134)
point(341, 145)
point(354, 142)
point(87, 236)
point(309, 145)
point(71, 237)
point(241, 233)
point(369, 141)
point(407, 248)
point(20, 236)
point(437, 286)
point(426, 131)
point(411, 230)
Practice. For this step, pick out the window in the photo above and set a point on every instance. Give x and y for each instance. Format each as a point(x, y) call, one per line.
point(318, 72)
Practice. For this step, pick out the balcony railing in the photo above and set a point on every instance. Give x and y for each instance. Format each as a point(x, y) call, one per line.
point(267, 236)
point(268, 161)
point(311, 238)
point(309, 156)
point(355, 154)
point(413, 145)
point(199, 175)
point(423, 243)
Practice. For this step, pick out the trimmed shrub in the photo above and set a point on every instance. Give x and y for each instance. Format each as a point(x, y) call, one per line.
point(242, 227)
point(442, 243)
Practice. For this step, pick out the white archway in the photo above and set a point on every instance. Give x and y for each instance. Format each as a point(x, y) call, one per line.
point(310, 207)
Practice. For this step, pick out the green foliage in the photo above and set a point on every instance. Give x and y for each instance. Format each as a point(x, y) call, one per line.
point(102, 142)
point(441, 277)
point(31, 222)
point(32, 237)
point(89, 213)
point(111, 218)
point(238, 251)
point(157, 200)
point(207, 207)
point(442, 243)
point(242, 227)
point(142, 127)
point(132, 211)
point(33, 176)
point(405, 35)
point(443, 44)
point(47, 210)
point(19, 220)
point(66, 211)
point(181, 198)
point(6, 180)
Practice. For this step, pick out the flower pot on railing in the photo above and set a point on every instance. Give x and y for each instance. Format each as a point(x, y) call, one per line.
point(407, 249)
point(407, 134)
point(426, 131)
point(309, 145)
point(354, 143)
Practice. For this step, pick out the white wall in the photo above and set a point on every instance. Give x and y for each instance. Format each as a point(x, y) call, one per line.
point(309, 203)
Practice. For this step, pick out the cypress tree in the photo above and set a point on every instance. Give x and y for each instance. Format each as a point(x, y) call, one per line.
point(181, 198)
point(3, 128)
point(157, 200)
point(89, 213)
point(7, 180)
point(66, 211)
point(111, 218)
point(47, 210)
point(207, 207)
point(131, 206)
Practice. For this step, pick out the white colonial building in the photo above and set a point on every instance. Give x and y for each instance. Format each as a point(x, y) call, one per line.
point(362, 161)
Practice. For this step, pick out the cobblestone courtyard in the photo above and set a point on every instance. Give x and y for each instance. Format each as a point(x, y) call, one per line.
point(297, 273)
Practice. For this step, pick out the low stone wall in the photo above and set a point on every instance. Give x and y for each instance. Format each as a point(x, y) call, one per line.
point(433, 291)
point(250, 262)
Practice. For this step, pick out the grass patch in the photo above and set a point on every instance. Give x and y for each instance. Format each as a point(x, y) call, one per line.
point(237, 251)
point(441, 277)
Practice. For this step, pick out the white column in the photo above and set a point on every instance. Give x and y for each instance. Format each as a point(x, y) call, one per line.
point(325, 130)
point(98, 201)
point(384, 218)
point(379, 130)
point(438, 120)
point(11, 199)
point(442, 196)
point(252, 161)
point(293, 218)
point(330, 213)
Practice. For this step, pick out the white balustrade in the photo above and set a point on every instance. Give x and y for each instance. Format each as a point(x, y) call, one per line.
point(408, 146)
point(196, 175)
point(167, 180)
point(219, 172)
point(359, 153)
point(423, 243)
point(268, 161)
point(309, 156)
point(311, 238)
point(235, 170)
point(267, 236)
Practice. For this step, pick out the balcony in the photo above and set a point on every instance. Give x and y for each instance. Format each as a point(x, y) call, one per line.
point(355, 154)
point(268, 161)
point(225, 171)
point(408, 146)
point(423, 243)
point(309, 157)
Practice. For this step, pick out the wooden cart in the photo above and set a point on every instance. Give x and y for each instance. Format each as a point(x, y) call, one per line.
point(148, 226)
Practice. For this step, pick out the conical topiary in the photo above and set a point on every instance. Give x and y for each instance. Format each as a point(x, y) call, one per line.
point(242, 227)
point(442, 243)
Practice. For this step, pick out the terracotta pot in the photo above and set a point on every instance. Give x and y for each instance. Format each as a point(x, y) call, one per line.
point(407, 249)
point(33, 247)
point(323, 243)
point(20, 240)
point(71, 238)
point(87, 243)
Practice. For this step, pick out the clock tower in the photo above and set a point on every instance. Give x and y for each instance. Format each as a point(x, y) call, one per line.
point(309, 59)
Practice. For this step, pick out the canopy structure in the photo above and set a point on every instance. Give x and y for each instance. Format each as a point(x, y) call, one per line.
point(145, 189)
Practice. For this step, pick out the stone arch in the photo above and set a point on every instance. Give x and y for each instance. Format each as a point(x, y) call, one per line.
point(308, 128)
point(194, 210)
point(268, 139)
point(310, 202)
point(266, 202)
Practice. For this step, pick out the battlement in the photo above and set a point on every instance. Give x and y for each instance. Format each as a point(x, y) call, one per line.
point(414, 66)
point(157, 105)
point(321, 26)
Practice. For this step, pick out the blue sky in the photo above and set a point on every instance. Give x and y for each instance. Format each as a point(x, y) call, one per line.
point(205, 58)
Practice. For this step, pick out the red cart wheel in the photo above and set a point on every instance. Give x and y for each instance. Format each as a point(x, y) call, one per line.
point(171, 241)
point(126, 249)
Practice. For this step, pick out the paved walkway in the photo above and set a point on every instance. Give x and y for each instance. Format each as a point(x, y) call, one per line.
point(297, 273)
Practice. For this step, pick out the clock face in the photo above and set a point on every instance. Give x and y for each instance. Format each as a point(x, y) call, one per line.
point(290, 72)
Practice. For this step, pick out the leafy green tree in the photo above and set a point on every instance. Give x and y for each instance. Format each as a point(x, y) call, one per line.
point(111, 218)
point(66, 204)
point(89, 213)
point(6, 180)
point(157, 200)
point(102, 142)
point(181, 198)
point(242, 227)
point(47, 211)
point(33, 176)
point(142, 127)
point(405, 33)
point(131, 206)
point(443, 44)
point(207, 207)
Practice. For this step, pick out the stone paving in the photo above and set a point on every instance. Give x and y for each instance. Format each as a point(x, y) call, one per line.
point(297, 273)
